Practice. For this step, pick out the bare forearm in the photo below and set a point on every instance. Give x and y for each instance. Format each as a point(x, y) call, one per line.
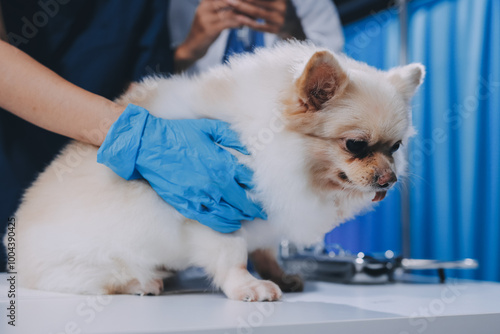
point(38, 95)
point(211, 18)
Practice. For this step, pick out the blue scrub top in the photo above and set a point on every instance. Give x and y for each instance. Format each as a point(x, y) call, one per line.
point(100, 46)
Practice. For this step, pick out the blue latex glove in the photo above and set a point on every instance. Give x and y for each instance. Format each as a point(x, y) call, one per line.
point(182, 162)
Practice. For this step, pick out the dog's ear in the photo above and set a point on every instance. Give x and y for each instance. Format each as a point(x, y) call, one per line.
point(407, 79)
point(322, 79)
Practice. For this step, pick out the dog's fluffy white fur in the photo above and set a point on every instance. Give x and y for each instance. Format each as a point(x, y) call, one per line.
point(83, 229)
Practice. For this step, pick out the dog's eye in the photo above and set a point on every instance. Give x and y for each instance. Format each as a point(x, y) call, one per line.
point(395, 147)
point(356, 146)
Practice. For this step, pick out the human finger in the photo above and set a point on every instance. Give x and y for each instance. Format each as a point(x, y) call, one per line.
point(237, 197)
point(220, 224)
point(259, 25)
point(272, 5)
point(244, 176)
point(251, 10)
point(221, 133)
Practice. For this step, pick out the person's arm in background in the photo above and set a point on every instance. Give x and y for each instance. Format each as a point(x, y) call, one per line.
point(213, 16)
point(210, 19)
point(40, 96)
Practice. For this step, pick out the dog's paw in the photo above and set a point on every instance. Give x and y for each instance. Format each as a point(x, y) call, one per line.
point(290, 283)
point(151, 288)
point(256, 291)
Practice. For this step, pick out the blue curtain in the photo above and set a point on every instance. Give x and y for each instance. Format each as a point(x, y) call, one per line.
point(455, 158)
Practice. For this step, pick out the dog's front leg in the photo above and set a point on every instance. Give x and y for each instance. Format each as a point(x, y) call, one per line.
point(224, 257)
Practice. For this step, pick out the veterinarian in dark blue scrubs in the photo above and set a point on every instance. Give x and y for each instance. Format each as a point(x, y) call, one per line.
point(100, 46)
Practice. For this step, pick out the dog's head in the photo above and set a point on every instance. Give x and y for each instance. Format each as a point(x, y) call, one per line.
point(354, 119)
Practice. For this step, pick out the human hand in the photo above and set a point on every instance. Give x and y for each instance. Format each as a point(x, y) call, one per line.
point(211, 18)
point(183, 163)
point(273, 13)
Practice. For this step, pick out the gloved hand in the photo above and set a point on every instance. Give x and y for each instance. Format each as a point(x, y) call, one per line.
point(182, 162)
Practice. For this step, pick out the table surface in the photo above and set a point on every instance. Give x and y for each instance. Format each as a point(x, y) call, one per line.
point(401, 308)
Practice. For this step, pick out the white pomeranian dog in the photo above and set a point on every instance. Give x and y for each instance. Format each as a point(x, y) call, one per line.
point(324, 132)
